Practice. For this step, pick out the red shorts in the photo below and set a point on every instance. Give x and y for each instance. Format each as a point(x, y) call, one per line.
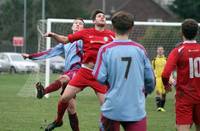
point(71, 73)
point(187, 111)
point(84, 78)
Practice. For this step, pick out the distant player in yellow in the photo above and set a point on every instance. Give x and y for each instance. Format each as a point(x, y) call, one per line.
point(158, 64)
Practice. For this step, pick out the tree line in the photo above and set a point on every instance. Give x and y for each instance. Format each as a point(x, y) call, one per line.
point(12, 17)
point(12, 14)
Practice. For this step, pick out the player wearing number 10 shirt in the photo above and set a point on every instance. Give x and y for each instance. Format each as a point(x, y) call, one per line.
point(186, 60)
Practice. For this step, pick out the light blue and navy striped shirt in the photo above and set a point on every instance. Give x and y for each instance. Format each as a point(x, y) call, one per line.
point(125, 67)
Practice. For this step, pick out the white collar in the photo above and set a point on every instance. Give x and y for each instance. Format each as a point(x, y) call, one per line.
point(189, 41)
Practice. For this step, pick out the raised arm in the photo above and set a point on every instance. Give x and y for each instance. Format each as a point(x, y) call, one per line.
point(57, 37)
point(34, 56)
point(55, 51)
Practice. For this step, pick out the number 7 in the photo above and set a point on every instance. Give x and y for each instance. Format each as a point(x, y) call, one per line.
point(127, 59)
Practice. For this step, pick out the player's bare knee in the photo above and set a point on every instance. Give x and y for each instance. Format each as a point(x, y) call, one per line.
point(64, 98)
point(72, 106)
point(71, 109)
point(63, 79)
point(67, 95)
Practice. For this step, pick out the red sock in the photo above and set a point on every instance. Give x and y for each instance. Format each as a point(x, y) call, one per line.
point(62, 106)
point(53, 87)
point(73, 119)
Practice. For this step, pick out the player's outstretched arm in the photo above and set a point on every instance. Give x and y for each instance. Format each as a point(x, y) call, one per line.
point(55, 51)
point(57, 37)
point(25, 55)
point(36, 56)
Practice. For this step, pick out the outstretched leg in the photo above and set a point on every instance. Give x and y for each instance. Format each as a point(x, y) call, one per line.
point(57, 84)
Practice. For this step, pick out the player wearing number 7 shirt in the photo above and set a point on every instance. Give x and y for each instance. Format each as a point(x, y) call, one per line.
point(123, 65)
point(186, 60)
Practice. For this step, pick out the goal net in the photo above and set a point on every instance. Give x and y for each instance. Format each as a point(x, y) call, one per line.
point(149, 34)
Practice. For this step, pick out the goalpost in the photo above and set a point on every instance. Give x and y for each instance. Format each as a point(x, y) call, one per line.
point(149, 34)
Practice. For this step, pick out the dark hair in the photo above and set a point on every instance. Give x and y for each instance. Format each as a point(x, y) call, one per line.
point(122, 22)
point(95, 12)
point(189, 28)
point(81, 19)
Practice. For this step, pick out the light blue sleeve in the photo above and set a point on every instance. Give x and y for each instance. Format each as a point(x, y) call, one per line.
point(55, 51)
point(100, 69)
point(149, 77)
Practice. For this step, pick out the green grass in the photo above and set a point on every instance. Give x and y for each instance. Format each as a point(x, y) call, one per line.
point(18, 113)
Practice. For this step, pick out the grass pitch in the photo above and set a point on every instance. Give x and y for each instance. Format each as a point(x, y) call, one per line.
point(21, 111)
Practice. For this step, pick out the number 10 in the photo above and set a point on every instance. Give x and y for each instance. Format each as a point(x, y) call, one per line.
point(194, 68)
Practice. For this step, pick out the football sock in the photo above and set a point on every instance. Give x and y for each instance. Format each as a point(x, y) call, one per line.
point(53, 87)
point(163, 100)
point(158, 102)
point(62, 106)
point(163, 103)
point(73, 119)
